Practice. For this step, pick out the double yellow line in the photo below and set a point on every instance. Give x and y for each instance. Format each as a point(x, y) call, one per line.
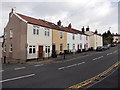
point(91, 80)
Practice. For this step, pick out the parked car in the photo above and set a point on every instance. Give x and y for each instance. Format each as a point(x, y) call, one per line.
point(99, 48)
point(105, 47)
point(113, 45)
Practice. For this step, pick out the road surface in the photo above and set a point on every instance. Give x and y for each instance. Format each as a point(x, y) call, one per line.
point(58, 75)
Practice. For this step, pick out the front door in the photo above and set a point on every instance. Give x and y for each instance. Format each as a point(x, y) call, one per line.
point(53, 48)
point(40, 51)
point(78, 47)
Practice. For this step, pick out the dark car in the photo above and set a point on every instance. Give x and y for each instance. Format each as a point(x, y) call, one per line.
point(113, 45)
point(105, 47)
point(99, 48)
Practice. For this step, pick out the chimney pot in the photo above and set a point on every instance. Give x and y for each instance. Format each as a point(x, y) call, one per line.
point(70, 26)
point(87, 29)
point(59, 23)
point(83, 29)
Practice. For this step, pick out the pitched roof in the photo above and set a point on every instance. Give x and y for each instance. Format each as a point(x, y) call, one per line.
point(116, 34)
point(96, 33)
point(48, 24)
point(34, 20)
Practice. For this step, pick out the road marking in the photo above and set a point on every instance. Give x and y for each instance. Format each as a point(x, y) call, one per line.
point(100, 57)
point(115, 51)
point(109, 54)
point(1, 70)
point(97, 58)
point(80, 63)
point(38, 65)
point(71, 65)
point(19, 68)
point(17, 78)
point(102, 78)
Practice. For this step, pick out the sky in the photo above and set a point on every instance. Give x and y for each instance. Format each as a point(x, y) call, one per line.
point(97, 14)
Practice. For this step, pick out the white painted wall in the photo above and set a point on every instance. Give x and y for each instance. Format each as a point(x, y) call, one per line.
point(76, 41)
point(116, 37)
point(94, 40)
point(70, 41)
point(85, 41)
point(37, 40)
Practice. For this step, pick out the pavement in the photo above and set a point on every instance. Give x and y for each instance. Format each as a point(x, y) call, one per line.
point(59, 74)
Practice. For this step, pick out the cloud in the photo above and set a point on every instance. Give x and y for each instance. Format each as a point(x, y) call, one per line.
point(97, 14)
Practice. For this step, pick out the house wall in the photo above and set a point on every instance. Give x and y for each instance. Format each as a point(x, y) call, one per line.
point(94, 39)
point(116, 39)
point(91, 41)
point(18, 41)
point(57, 40)
point(37, 40)
point(72, 41)
point(77, 41)
point(85, 41)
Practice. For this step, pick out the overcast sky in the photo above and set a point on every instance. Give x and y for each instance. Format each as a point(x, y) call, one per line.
point(98, 14)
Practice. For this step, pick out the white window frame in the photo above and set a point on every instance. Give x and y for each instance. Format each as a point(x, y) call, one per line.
point(32, 47)
point(47, 49)
point(80, 45)
point(5, 48)
point(47, 32)
point(73, 46)
point(61, 34)
point(61, 45)
point(80, 37)
point(11, 33)
point(10, 48)
point(73, 36)
point(36, 30)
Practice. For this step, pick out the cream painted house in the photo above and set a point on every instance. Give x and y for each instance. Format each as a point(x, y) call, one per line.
point(95, 39)
point(26, 38)
point(77, 41)
point(39, 39)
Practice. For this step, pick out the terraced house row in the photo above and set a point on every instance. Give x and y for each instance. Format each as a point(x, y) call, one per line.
point(29, 38)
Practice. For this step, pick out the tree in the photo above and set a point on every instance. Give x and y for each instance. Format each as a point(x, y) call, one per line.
point(107, 38)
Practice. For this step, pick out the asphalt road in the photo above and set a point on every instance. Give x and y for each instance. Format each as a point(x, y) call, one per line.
point(58, 75)
point(111, 81)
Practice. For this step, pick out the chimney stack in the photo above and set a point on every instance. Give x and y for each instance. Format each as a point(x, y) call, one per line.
point(11, 12)
point(96, 31)
point(83, 29)
point(59, 23)
point(87, 29)
point(70, 26)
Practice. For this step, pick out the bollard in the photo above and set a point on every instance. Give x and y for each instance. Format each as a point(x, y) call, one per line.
point(64, 55)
